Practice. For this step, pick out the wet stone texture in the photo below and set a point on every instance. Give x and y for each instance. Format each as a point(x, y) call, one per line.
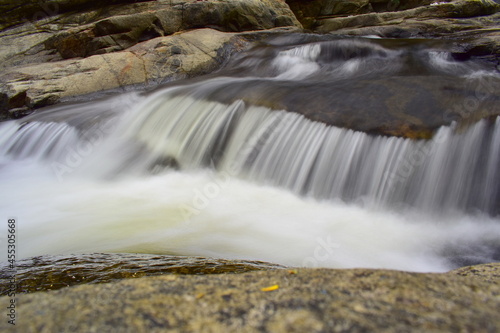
point(55, 272)
point(284, 300)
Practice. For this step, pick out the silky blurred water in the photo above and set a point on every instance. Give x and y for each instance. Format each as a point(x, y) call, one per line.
point(177, 172)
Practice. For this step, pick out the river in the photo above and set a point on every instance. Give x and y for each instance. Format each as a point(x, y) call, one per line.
point(218, 166)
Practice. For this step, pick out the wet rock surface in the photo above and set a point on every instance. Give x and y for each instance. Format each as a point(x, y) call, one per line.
point(66, 48)
point(55, 272)
point(411, 107)
point(285, 300)
point(404, 87)
point(80, 49)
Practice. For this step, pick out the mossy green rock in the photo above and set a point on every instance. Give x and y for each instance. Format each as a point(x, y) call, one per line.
point(302, 300)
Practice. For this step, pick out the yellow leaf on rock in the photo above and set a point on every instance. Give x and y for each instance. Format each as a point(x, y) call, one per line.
point(271, 288)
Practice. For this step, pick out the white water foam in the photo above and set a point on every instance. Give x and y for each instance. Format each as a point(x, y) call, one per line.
point(232, 213)
point(203, 213)
point(297, 63)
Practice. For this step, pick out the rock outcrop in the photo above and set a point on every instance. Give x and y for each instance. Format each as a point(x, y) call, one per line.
point(309, 11)
point(66, 48)
point(453, 10)
point(150, 62)
point(473, 23)
point(283, 300)
point(329, 15)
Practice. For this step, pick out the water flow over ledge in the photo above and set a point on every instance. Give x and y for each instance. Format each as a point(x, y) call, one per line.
point(181, 172)
point(452, 171)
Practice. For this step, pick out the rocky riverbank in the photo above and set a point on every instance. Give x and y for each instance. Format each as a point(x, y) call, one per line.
point(274, 300)
point(64, 49)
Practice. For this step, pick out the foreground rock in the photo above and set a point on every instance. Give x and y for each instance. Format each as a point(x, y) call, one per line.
point(485, 272)
point(55, 272)
point(303, 300)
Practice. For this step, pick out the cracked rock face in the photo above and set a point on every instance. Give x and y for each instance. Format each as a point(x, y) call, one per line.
point(66, 48)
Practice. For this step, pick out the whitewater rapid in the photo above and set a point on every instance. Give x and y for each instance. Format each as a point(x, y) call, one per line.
point(180, 172)
point(202, 213)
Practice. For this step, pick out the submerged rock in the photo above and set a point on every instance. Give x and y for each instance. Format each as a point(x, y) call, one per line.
point(404, 106)
point(298, 300)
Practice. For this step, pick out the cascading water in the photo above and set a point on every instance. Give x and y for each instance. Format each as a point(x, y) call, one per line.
point(185, 171)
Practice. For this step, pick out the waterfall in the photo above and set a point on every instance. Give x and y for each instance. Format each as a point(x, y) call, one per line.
point(184, 171)
point(452, 171)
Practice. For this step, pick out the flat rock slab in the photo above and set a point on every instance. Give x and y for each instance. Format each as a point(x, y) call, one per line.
point(302, 300)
